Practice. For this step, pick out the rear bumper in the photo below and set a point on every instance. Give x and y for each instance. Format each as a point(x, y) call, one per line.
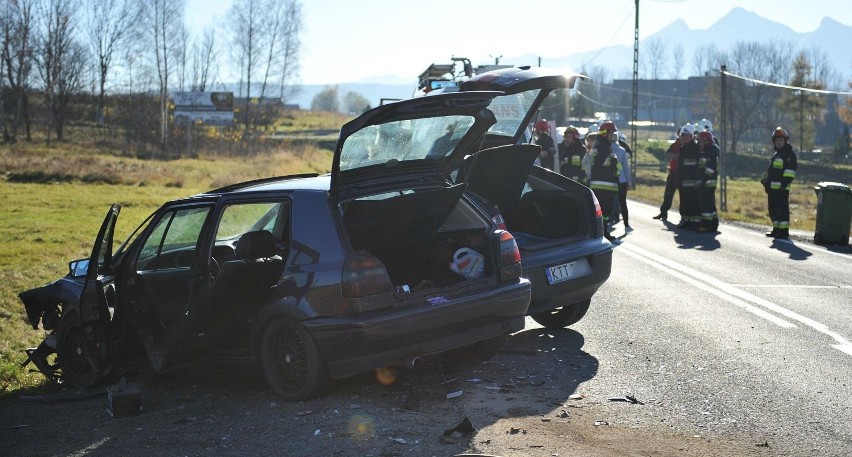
point(597, 252)
point(356, 344)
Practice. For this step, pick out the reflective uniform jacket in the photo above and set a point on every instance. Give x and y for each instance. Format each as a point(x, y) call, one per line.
point(605, 167)
point(673, 156)
point(708, 166)
point(687, 170)
point(782, 169)
point(571, 156)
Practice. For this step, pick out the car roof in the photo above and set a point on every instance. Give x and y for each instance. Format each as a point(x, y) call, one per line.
point(289, 183)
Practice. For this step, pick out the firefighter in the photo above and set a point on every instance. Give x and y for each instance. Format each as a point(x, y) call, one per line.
point(779, 176)
point(708, 171)
point(571, 152)
point(687, 179)
point(543, 139)
point(673, 156)
point(591, 137)
point(625, 180)
point(604, 177)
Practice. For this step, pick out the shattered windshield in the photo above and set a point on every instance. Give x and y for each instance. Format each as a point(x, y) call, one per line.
point(510, 111)
point(410, 139)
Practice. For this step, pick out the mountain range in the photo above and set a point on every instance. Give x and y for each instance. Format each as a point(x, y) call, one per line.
point(831, 38)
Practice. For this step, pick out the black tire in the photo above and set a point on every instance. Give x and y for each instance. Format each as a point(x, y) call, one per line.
point(563, 316)
point(72, 353)
point(291, 361)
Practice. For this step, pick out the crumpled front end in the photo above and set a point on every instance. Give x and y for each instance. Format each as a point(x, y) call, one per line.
point(44, 309)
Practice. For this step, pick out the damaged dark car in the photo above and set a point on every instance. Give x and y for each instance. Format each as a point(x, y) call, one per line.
point(383, 262)
point(556, 221)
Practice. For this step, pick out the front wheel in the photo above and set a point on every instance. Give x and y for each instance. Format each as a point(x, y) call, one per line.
point(292, 362)
point(563, 316)
point(72, 353)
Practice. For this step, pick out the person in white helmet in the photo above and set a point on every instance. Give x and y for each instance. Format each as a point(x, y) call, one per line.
point(687, 178)
point(591, 137)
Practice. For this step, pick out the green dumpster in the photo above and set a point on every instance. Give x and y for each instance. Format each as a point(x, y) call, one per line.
point(834, 213)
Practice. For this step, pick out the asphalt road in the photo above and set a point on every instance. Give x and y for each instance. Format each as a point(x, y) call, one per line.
point(728, 344)
point(727, 334)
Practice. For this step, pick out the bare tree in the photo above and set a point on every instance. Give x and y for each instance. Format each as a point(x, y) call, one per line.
point(291, 48)
point(247, 28)
point(752, 106)
point(110, 24)
point(60, 61)
point(653, 58)
point(678, 61)
point(182, 57)
point(18, 54)
point(266, 43)
point(163, 20)
point(203, 56)
point(707, 59)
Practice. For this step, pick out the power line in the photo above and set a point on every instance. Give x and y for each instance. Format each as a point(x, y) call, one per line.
point(654, 95)
point(614, 33)
point(784, 86)
point(605, 105)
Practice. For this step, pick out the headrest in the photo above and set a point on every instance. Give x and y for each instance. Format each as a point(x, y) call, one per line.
point(255, 245)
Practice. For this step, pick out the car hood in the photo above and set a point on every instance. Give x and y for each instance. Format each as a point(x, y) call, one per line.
point(523, 91)
point(411, 141)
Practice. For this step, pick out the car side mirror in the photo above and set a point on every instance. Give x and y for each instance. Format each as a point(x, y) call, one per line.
point(78, 268)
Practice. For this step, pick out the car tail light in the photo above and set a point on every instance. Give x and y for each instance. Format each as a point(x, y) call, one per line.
point(497, 218)
point(365, 285)
point(510, 257)
point(599, 226)
point(598, 210)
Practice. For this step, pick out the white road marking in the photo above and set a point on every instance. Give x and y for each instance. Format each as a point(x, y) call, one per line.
point(786, 286)
point(733, 295)
point(674, 271)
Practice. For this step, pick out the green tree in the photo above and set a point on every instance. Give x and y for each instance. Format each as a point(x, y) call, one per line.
point(355, 103)
point(326, 100)
point(803, 107)
point(843, 145)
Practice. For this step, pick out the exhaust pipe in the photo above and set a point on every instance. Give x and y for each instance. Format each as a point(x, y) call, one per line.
point(412, 362)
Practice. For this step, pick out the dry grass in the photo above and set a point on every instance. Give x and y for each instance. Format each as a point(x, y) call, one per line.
point(746, 200)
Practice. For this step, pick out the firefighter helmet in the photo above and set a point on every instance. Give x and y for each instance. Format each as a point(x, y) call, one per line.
point(593, 131)
point(780, 133)
point(607, 127)
point(687, 129)
point(571, 130)
point(705, 136)
point(542, 126)
point(706, 124)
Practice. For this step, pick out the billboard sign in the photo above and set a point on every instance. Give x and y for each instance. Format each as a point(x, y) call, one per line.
point(208, 108)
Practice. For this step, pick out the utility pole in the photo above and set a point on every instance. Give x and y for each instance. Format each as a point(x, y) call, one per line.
point(723, 175)
point(801, 118)
point(635, 112)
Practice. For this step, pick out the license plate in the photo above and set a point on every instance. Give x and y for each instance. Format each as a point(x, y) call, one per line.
point(566, 271)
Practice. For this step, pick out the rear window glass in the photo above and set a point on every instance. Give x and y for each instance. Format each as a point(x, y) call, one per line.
point(406, 140)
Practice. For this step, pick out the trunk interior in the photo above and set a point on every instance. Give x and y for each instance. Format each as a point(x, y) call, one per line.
point(537, 207)
point(416, 235)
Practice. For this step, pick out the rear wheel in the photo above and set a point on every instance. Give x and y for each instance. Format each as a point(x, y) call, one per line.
point(292, 362)
point(563, 316)
point(72, 353)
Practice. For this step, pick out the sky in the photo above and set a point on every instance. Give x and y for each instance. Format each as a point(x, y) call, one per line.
point(349, 41)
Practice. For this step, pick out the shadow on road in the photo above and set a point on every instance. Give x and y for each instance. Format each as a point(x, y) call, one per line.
point(693, 240)
point(787, 246)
